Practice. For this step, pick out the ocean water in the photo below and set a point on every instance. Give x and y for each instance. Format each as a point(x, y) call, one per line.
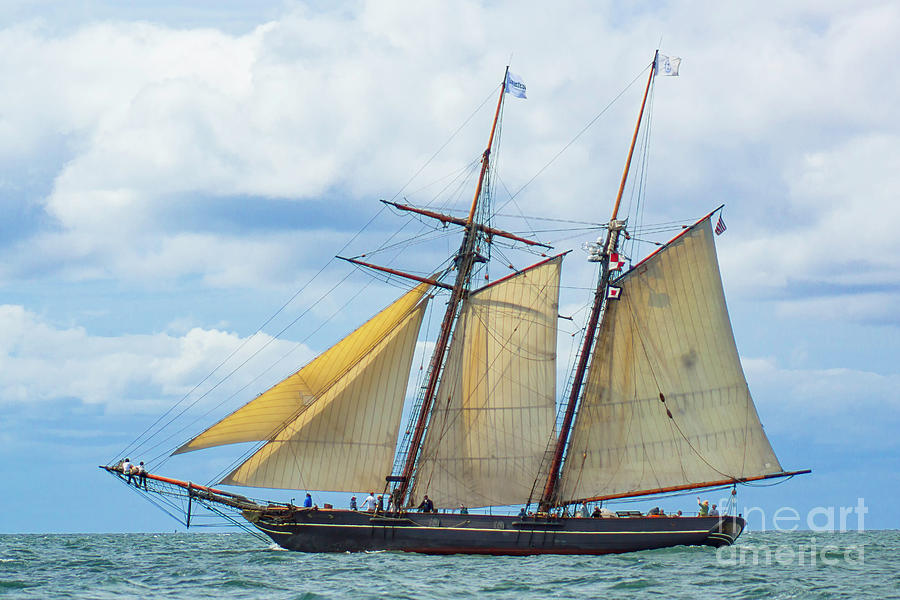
point(237, 565)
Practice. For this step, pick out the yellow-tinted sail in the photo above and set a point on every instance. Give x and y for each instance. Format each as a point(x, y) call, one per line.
point(359, 383)
point(345, 441)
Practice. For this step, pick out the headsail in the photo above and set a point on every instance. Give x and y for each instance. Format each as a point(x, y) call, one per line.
point(340, 413)
point(495, 406)
point(669, 333)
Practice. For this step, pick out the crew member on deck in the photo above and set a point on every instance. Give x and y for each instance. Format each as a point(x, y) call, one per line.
point(307, 502)
point(704, 507)
point(380, 506)
point(427, 505)
point(353, 503)
point(714, 512)
point(396, 501)
point(369, 502)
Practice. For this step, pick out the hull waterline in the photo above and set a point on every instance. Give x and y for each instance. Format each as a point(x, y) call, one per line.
point(313, 530)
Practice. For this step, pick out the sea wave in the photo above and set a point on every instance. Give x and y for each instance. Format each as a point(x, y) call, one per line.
point(239, 566)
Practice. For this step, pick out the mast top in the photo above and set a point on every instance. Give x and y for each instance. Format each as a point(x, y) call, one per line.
point(548, 496)
point(637, 128)
point(466, 259)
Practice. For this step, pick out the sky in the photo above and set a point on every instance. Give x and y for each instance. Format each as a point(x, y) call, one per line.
point(172, 175)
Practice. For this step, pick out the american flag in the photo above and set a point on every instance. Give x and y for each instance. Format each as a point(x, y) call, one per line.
point(720, 226)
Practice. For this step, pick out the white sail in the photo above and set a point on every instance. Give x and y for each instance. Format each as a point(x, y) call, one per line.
point(332, 425)
point(495, 405)
point(668, 333)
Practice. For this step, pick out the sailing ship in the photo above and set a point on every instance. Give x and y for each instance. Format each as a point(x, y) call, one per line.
point(657, 403)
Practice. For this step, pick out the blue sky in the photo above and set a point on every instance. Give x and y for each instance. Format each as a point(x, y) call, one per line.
point(170, 176)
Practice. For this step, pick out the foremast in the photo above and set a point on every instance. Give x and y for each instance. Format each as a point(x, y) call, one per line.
point(610, 246)
point(466, 259)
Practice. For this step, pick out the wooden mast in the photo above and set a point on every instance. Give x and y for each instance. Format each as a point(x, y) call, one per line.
point(465, 261)
point(548, 498)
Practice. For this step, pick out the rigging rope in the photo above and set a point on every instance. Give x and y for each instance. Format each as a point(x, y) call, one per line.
point(157, 426)
point(671, 417)
point(156, 429)
point(272, 339)
point(444, 145)
point(134, 444)
point(577, 135)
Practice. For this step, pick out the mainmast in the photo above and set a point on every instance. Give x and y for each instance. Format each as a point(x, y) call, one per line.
point(465, 262)
point(548, 498)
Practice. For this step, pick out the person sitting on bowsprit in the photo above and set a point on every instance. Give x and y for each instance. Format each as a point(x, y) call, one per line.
point(126, 470)
point(142, 475)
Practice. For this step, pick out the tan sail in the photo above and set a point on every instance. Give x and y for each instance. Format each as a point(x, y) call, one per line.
point(345, 441)
point(495, 406)
point(668, 333)
point(349, 398)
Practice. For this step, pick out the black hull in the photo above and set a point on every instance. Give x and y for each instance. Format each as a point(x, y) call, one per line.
point(310, 530)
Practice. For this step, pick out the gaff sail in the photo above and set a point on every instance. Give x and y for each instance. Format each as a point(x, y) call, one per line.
point(668, 333)
point(495, 406)
point(333, 424)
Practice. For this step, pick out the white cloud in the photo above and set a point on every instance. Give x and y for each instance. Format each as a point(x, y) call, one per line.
point(785, 113)
point(135, 373)
point(836, 252)
point(873, 308)
point(839, 407)
point(140, 110)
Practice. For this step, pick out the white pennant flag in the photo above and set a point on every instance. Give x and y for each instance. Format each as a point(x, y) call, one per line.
point(667, 65)
point(514, 85)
